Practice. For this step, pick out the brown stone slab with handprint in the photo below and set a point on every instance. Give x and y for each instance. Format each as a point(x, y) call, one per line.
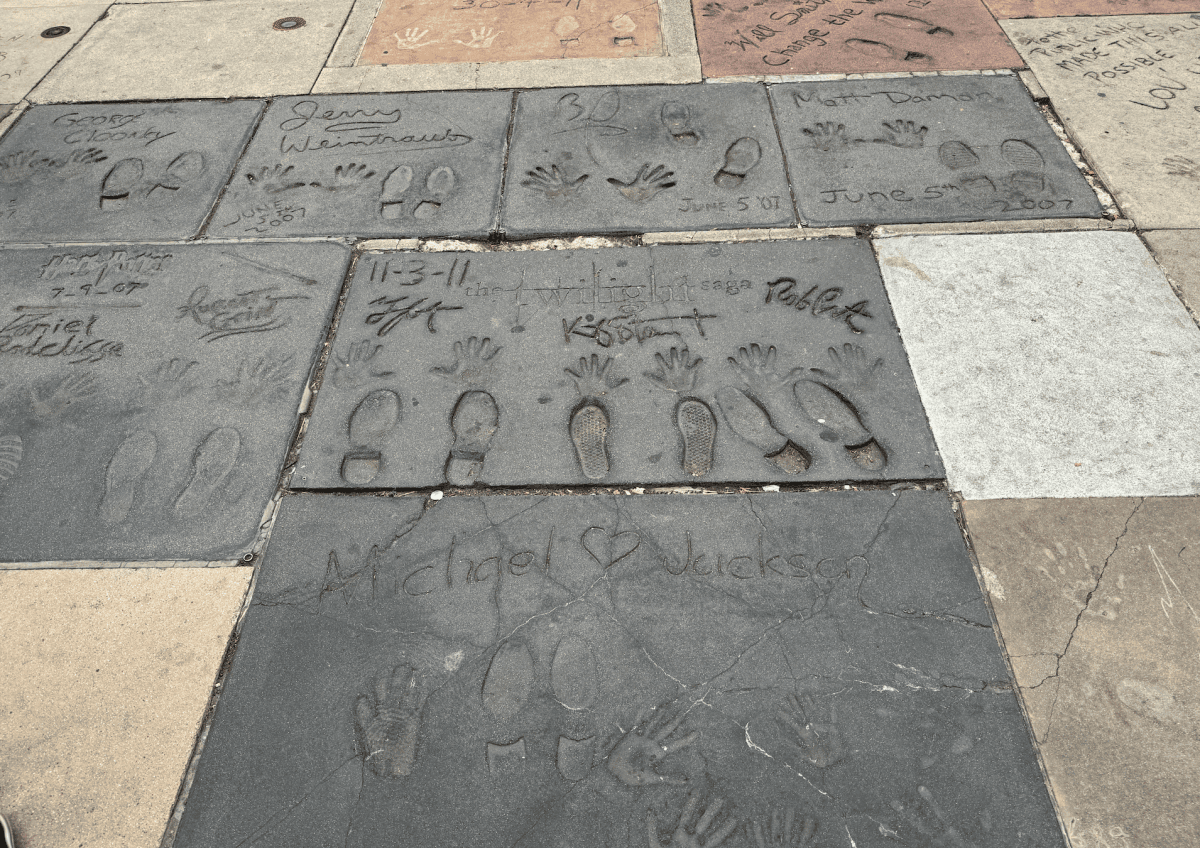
point(763, 37)
point(429, 32)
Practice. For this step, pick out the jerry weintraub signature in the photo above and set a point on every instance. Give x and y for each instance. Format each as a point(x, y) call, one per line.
point(253, 311)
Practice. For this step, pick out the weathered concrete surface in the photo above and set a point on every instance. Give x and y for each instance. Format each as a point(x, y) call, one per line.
point(1123, 88)
point(777, 37)
point(429, 32)
point(371, 165)
point(1066, 8)
point(27, 54)
point(107, 675)
point(596, 671)
point(151, 392)
point(956, 148)
point(766, 361)
point(1178, 254)
point(1004, 333)
point(1098, 603)
point(162, 51)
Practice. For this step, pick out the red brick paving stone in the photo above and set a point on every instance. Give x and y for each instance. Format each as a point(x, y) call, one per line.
point(427, 32)
point(1060, 8)
point(758, 37)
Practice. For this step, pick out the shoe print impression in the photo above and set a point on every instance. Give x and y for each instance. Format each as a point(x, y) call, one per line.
point(128, 465)
point(474, 421)
point(211, 465)
point(370, 425)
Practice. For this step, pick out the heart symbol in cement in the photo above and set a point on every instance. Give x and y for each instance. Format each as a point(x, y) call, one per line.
point(608, 549)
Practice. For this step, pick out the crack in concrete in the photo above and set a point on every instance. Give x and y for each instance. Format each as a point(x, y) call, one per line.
point(1060, 655)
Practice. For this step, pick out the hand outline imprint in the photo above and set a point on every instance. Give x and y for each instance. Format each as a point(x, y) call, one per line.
point(676, 374)
point(472, 361)
point(388, 723)
point(828, 136)
point(483, 38)
point(647, 183)
point(783, 833)
point(757, 370)
point(275, 179)
point(553, 184)
point(592, 379)
point(689, 837)
point(851, 367)
point(68, 391)
point(633, 759)
point(355, 370)
point(347, 177)
point(412, 39)
point(903, 134)
point(820, 744)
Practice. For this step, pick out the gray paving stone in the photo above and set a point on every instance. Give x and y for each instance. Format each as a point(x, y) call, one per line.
point(586, 669)
point(771, 361)
point(371, 165)
point(148, 394)
point(118, 171)
point(644, 159)
point(909, 150)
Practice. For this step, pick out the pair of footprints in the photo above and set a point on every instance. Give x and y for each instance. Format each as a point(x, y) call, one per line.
point(127, 178)
point(473, 422)
point(882, 50)
point(440, 184)
point(740, 157)
point(212, 464)
point(1028, 176)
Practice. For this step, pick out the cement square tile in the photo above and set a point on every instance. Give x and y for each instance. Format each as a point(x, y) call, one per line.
point(445, 31)
point(1097, 603)
point(118, 171)
point(162, 51)
point(371, 165)
point(34, 39)
point(1178, 254)
point(108, 673)
point(1051, 364)
point(642, 159)
point(1068, 8)
point(810, 37)
point(1121, 86)
point(819, 665)
point(479, 66)
point(770, 361)
point(150, 393)
point(922, 149)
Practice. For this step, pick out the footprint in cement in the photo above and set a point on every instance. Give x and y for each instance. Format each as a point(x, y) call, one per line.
point(118, 183)
point(909, 22)
point(211, 466)
point(699, 430)
point(440, 183)
point(473, 423)
point(391, 197)
point(881, 50)
point(11, 451)
point(371, 422)
point(184, 168)
point(751, 422)
point(676, 117)
point(740, 158)
point(589, 434)
point(128, 465)
point(841, 422)
point(1029, 176)
point(956, 156)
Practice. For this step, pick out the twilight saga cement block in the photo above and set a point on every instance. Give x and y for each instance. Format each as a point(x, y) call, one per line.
point(645, 158)
point(118, 171)
point(672, 364)
point(909, 150)
point(371, 165)
point(618, 671)
point(149, 394)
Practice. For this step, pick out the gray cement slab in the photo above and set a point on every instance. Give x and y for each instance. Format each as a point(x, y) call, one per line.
point(371, 165)
point(774, 361)
point(925, 149)
point(810, 669)
point(1122, 87)
point(689, 157)
point(1176, 252)
point(118, 171)
point(150, 393)
point(1051, 364)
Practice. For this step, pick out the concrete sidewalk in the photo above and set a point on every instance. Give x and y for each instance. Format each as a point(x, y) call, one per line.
point(586, 423)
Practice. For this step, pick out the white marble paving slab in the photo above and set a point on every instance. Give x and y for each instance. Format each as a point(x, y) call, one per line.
point(1050, 364)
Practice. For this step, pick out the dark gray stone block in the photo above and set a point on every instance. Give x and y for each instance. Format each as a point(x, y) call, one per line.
point(644, 159)
point(735, 362)
point(958, 148)
point(148, 393)
point(371, 165)
point(529, 671)
point(118, 171)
